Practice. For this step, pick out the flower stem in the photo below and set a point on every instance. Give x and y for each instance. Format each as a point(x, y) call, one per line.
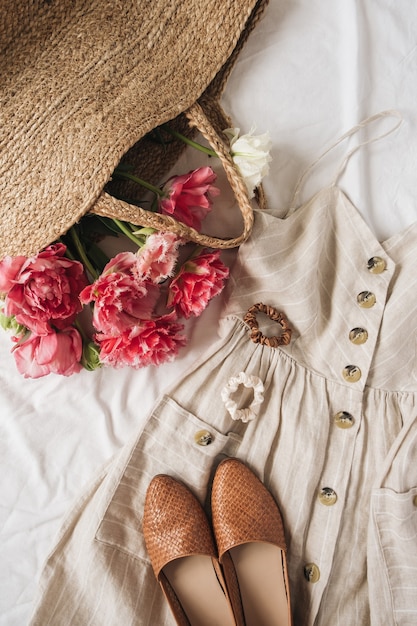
point(128, 233)
point(80, 250)
point(81, 330)
point(144, 232)
point(190, 142)
point(139, 181)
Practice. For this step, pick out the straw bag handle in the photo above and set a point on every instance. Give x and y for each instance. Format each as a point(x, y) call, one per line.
point(108, 206)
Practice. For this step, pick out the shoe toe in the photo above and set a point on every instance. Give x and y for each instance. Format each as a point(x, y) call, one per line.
point(174, 523)
point(243, 510)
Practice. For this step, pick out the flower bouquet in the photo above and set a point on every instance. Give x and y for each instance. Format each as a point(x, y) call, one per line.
point(71, 307)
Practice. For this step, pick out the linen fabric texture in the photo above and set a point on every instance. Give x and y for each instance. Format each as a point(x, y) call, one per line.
point(335, 445)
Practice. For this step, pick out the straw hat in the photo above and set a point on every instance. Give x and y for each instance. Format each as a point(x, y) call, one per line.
point(82, 81)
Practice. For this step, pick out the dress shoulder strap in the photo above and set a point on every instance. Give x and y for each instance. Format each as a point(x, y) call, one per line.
point(349, 133)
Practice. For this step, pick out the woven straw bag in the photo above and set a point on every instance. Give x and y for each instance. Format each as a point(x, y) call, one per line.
point(83, 82)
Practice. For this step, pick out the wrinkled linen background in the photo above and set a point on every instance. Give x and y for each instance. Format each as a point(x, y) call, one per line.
point(310, 71)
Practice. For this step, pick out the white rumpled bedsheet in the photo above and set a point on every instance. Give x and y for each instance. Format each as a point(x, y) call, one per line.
point(310, 71)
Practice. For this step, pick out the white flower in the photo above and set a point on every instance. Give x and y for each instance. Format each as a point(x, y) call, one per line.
point(251, 155)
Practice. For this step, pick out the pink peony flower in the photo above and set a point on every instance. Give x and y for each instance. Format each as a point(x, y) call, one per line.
point(157, 258)
point(122, 298)
point(122, 263)
point(200, 279)
point(43, 292)
point(9, 269)
point(189, 196)
point(151, 343)
point(57, 352)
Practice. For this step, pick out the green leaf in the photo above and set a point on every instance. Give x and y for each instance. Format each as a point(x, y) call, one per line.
point(96, 255)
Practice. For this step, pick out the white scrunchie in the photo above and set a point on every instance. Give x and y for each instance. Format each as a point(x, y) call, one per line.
point(249, 381)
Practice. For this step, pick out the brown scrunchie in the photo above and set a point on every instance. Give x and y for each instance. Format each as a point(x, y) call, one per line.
point(256, 335)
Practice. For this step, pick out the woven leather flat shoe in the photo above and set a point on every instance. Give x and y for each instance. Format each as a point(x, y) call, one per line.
point(181, 547)
point(251, 545)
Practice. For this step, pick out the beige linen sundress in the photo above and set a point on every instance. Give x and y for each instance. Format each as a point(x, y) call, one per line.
point(331, 430)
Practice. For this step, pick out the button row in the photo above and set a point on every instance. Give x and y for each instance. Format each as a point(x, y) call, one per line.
point(328, 496)
point(366, 300)
point(343, 419)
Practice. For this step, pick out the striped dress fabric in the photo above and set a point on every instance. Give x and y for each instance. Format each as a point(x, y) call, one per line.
point(335, 438)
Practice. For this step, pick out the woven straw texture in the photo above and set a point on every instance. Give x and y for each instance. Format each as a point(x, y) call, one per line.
point(243, 509)
point(109, 206)
point(174, 523)
point(83, 82)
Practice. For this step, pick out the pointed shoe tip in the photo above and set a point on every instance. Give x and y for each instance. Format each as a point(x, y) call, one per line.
point(174, 523)
point(243, 509)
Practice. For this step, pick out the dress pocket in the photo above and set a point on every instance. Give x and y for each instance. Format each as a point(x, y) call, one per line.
point(395, 523)
point(174, 442)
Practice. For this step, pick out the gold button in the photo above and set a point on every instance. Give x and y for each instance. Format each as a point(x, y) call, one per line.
point(311, 572)
point(343, 419)
point(358, 336)
point(351, 373)
point(327, 496)
point(366, 299)
point(376, 265)
point(203, 437)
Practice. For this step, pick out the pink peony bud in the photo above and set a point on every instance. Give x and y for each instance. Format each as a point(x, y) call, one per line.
point(188, 197)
